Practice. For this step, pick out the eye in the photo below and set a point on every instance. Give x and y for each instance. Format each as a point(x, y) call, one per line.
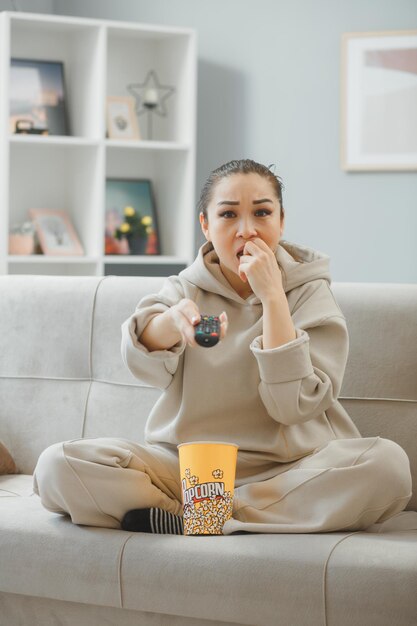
point(226, 214)
point(264, 211)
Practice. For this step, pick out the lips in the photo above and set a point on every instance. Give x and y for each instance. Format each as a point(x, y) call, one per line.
point(240, 252)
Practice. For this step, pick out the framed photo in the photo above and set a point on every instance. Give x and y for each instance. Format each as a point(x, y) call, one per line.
point(379, 101)
point(131, 217)
point(121, 118)
point(55, 232)
point(37, 97)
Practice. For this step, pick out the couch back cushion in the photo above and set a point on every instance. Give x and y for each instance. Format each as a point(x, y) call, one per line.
point(61, 372)
point(380, 384)
point(62, 376)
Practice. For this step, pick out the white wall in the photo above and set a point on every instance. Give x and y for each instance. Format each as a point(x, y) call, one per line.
point(269, 89)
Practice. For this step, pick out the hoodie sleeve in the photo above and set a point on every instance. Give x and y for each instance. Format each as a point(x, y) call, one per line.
point(154, 368)
point(303, 378)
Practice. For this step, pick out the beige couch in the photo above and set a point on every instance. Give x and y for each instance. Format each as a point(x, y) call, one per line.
point(62, 377)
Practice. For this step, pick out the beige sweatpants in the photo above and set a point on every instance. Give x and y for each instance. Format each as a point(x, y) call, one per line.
point(346, 484)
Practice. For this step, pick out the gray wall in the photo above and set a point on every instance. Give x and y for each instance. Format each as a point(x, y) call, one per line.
point(29, 6)
point(269, 89)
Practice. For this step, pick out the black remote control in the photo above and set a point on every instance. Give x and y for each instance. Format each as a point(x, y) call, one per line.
point(207, 332)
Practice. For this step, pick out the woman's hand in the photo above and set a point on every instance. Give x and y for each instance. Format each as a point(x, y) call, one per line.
point(185, 316)
point(259, 267)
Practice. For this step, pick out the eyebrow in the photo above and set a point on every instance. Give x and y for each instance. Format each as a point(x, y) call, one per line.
point(231, 202)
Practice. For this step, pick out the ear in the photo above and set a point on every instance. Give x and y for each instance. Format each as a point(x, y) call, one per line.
point(282, 225)
point(204, 226)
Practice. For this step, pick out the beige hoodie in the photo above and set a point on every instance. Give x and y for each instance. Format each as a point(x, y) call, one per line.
point(278, 404)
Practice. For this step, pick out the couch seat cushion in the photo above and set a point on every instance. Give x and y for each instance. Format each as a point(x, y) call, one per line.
point(50, 557)
point(331, 579)
point(302, 579)
point(15, 485)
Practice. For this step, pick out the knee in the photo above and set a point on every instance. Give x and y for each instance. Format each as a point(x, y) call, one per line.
point(51, 467)
point(393, 467)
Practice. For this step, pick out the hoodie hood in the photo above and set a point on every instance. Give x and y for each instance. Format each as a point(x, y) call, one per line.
point(300, 265)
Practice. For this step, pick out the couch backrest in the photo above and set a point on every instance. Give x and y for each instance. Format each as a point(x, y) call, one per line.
point(380, 384)
point(62, 376)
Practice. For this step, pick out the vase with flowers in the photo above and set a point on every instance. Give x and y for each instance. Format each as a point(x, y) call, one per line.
point(135, 229)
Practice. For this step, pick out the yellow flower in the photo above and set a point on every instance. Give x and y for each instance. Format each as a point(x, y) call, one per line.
point(124, 227)
point(129, 211)
point(147, 220)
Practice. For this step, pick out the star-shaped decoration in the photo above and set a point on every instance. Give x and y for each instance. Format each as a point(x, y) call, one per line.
point(150, 95)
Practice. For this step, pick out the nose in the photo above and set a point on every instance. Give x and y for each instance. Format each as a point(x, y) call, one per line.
point(246, 228)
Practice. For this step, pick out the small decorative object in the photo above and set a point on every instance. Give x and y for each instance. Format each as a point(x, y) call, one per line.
point(37, 97)
point(55, 232)
point(150, 97)
point(121, 118)
point(22, 238)
point(379, 101)
point(25, 127)
point(7, 464)
point(131, 222)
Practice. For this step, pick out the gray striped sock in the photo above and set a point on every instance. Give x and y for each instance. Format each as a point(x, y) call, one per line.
point(163, 522)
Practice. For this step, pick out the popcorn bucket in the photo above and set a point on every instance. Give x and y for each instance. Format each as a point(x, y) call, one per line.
point(208, 470)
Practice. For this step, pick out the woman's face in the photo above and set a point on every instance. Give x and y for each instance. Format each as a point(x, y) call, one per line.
point(243, 207)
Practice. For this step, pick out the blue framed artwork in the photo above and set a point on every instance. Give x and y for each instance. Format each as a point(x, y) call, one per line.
point(37, 97)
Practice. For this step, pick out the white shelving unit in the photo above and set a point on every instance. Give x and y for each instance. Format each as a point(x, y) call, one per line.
point(100, 59)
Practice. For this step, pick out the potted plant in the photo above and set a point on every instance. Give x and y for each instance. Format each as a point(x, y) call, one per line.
point(136, 229)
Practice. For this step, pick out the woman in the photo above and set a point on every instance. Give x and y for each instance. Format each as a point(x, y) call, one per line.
point(270, 385)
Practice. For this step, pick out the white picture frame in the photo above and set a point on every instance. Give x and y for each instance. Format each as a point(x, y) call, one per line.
point(379, 101)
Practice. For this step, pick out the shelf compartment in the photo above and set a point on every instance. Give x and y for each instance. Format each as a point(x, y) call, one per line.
point(80, 47)
point(169, 172)
point(66, 177)
point(133, 52)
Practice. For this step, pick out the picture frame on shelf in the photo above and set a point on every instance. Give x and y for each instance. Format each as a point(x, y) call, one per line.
point(122, 122)
point(37, 97)
point(131, 217)
point(379, 100)
point(55, 232)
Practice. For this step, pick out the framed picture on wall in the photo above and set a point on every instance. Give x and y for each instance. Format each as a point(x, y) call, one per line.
point(131, 217)
point(379, 101)
point(37, 97)
point(55, 232)
point(122, 122)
